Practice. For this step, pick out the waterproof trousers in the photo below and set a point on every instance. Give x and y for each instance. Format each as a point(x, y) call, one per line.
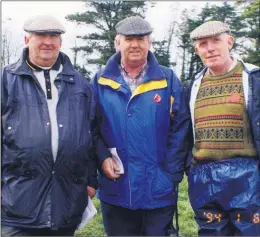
point(225, 196)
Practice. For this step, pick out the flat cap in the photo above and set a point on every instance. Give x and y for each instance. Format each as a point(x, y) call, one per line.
point(135, 26)
point(208, 29)
point(44, 24)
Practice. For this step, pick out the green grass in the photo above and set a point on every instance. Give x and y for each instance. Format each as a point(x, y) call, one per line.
point(187, 225)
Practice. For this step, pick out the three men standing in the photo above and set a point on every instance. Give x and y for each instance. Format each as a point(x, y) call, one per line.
point(48, 110)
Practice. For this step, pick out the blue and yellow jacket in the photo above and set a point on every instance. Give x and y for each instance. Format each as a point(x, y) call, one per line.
point(149, 129)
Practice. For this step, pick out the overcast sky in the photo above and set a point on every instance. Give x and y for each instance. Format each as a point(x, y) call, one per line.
point(14, 13)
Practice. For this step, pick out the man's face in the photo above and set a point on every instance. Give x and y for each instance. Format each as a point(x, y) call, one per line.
point(134, 49)
point(214, 51)
point(43, 48)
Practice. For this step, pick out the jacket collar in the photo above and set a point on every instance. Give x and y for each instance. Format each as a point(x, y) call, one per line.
point(112, 70)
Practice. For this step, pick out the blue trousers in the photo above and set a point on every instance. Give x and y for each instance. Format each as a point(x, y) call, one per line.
point(119, 221)
point(225, 196)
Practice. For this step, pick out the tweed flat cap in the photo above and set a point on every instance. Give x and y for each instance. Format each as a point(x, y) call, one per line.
point(43, 24)
point(208, 29)
point(134, 25)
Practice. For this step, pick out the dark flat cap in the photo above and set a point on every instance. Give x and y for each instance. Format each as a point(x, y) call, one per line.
point(43, 24)
point(208, 29)
point(134, 25)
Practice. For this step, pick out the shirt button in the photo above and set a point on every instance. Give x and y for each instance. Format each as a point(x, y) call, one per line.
point(258, 124)
point(9, 128)
point(71, 79)
point(53, 172)
point(60, 125)
point(48, 123)
point(48, 222)
point(129, 115)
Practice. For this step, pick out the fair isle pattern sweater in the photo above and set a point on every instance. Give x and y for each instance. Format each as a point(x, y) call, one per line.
point(222, 129)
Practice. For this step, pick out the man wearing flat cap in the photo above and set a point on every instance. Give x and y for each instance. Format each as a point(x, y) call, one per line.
point(144, 124)
point(48, 169)
point(224, 185)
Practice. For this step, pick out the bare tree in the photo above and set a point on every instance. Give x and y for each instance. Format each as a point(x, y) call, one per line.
point(10, 48)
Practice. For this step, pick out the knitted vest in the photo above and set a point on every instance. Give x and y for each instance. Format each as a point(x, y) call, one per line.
point(222, 128)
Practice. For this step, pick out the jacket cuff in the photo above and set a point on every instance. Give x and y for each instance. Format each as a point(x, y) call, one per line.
point(93, 182)
point(102, 152)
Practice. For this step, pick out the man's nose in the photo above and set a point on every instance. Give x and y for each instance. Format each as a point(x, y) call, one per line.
point(134, 43)
point(211, 46)
point(47, 40)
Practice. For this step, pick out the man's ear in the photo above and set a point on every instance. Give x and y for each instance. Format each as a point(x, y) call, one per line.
point(117, 43)
point(26, 40)
point(231, 41)
point(150, 45)
point(196, 50)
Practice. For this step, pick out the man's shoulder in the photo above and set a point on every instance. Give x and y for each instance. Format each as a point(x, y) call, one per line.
point(100, 71)
point(10, 67)
point(169, 73)
point(251, 67)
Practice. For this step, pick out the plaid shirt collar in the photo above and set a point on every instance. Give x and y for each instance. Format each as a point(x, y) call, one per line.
point(141, 73)
point(133, 82)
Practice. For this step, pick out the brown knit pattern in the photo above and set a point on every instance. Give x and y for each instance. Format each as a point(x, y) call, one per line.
point(222, 128)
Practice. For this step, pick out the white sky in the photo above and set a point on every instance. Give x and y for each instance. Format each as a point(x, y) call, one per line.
point(14, 13)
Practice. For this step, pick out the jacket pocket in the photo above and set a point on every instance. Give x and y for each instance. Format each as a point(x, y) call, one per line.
point(109, 186)
point(162, 186)
point(78, 100)
point(17, 197)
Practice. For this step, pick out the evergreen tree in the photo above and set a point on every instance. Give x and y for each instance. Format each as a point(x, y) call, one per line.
point(162, 53)
point(225, 13)
point(250, 18)
point(103, 16)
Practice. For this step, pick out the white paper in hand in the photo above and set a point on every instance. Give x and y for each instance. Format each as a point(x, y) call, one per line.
point(88, 214)
point(117, 159)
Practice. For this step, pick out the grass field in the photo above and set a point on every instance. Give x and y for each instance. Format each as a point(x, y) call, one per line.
point(187, 225)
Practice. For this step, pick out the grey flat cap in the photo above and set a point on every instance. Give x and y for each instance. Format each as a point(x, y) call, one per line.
point(208, 29)
point(43, 24)
point(134, 25)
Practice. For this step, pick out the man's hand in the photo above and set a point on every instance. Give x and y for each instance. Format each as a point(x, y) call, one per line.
point(91, 192)
point(110, 167)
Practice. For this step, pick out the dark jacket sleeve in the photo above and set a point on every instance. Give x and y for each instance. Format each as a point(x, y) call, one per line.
point(101, 150)
point(188, 161)
point(4, 96)
point(92, 161)
point(178, 143)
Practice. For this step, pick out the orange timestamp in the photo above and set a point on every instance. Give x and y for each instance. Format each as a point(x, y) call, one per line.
point(217, 216)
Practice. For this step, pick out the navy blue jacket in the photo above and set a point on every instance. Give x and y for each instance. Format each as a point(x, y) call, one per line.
point(149, 129)
point(36, 191)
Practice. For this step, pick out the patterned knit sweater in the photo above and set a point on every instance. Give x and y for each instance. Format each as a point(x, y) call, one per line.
point(222, 129)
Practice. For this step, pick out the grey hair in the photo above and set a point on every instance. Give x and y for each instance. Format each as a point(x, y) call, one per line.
point(28, 34)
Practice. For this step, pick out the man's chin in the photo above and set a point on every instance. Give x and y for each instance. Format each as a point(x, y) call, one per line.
point(212, 64)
